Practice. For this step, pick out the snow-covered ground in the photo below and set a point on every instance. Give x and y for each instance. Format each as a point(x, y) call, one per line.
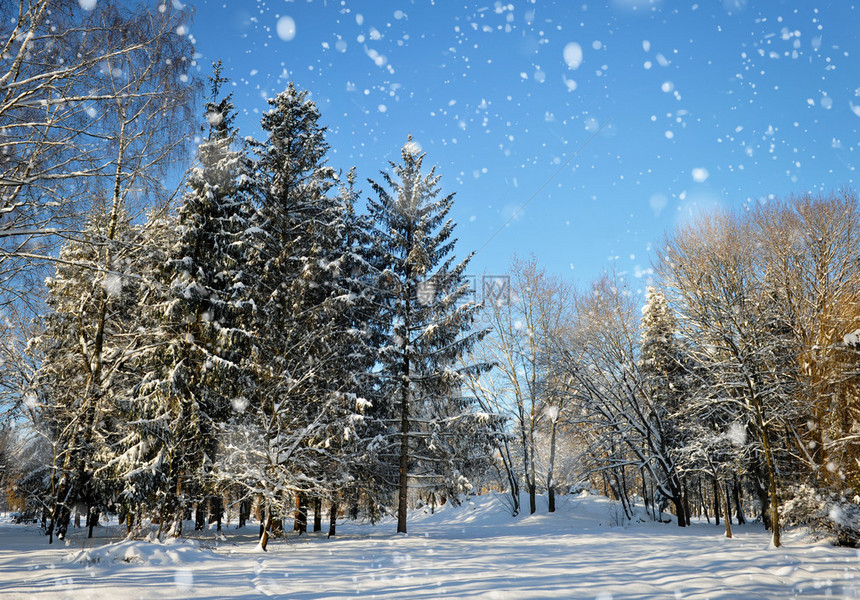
point(473, 551)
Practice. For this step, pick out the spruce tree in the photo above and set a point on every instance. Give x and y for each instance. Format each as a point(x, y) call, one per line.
point(663, 369)
point(308, 291)
point(199, 305)
point(426, 326)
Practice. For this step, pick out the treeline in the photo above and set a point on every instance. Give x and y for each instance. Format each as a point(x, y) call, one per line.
point(269, 337)
point(734, 390)
point(258, 338)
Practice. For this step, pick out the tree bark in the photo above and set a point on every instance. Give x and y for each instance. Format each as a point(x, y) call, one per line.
point(728, 510)
point(92, 520)
point(317, 514)
point(332, 520)
point(403, 489)
point(716, 501)
point(264, 530)
point(736, 492)
point(550, 484)
point(301, 521)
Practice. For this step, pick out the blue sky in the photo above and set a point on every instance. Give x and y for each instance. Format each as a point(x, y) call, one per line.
point(577, 131)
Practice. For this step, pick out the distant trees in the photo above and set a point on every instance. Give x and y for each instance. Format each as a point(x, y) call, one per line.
point(525, 384)
point(738, 377)
point(764, 302)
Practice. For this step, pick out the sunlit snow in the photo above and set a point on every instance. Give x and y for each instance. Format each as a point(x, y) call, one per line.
point(587, 549)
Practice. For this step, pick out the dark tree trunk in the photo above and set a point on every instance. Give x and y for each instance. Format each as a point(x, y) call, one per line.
point(678, 501)
point(199, 516)
point(736, 492)
point(241, 514)
point(716, 502)
point(92, 520)
point(317, 514)
point(301, 524)
point(403, 485)
point(332, 520)
point(264, 530)
point(686, 504)
point(550, 484)
point(532, 498)
point(727, 504)
point(217, 507)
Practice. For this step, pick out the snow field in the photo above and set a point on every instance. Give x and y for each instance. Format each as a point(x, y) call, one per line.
point(473, 551)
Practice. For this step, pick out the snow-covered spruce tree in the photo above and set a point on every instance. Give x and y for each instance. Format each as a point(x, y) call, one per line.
point(664, 382)
point(427, 328)
point(288, 448)
point(82, 353)
point(194, 365)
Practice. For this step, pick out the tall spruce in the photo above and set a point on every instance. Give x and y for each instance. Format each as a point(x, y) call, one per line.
point(195, 365)
point(427, 327)
point(664, 384)
point(308, 276)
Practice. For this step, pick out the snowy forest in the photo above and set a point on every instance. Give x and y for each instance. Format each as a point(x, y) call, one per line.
point(200, 326)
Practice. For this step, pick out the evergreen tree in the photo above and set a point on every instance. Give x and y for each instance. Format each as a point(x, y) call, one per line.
point(308, 290)
point(426, 327)
point(83, 353)
point(662, 367)
point(196, 362)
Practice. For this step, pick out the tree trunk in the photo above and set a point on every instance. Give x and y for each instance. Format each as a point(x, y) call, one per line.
point(199, 516)
point(686, 504)
point(513, 483)
point(771, 472)
point(244, 509)
point(702, 506)
point(218, 508)
point(317, 514)
point(728, 510)
point(92, 520)
point(716, 501)
point(736, 492)
point(332, 520)
point(550, 484)
point(678, 501)
point(264, 530)
point(301, 522)
point(403, 489)
point(676, 488)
